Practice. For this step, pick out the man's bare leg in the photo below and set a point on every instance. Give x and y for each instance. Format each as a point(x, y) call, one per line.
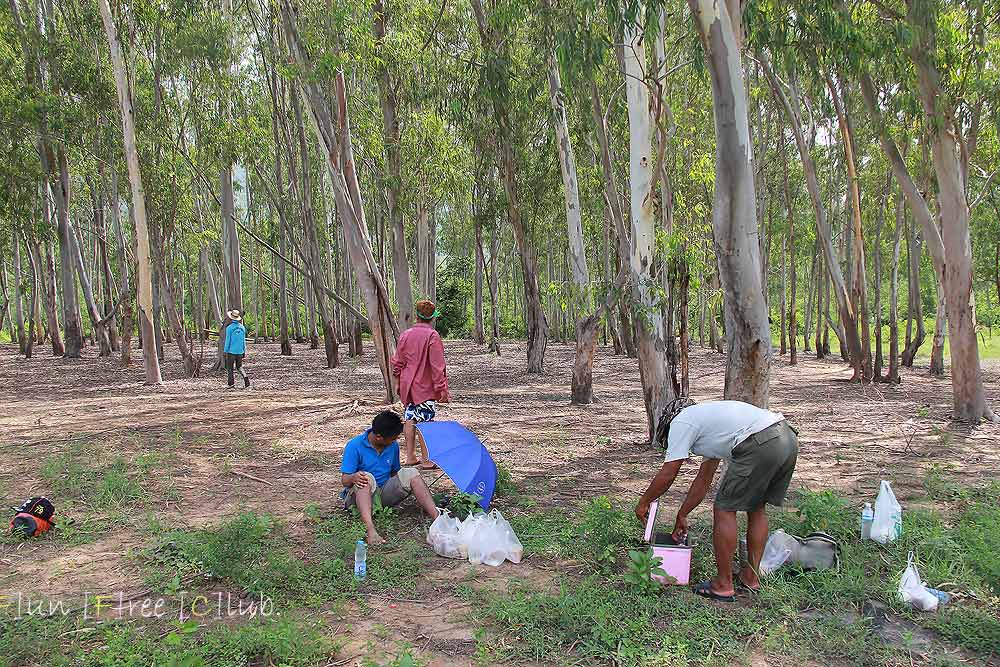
point(756, 539)
point(364, 502)
point(425, 458)
point(724, 538)
point(423, 495)
point(409, 441)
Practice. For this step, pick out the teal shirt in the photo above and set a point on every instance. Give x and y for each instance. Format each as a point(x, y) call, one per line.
point(236, 339)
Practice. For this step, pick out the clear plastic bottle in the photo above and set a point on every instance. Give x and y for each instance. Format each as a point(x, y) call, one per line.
point(360, 560)
point(867, 517)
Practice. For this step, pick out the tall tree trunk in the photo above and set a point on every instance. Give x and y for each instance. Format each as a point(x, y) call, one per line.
point(30, 339)
point(582, 387)
point(734, 216)
point(391, 139)
point(51, 300)
point(72, 326)
point(915, 307)
point(101, 234)
point(783, 332)
point(534, 312)
point(100, 328)
point(479, 332)
point(494, 283)
point(893, 377)
point(859, 280)
point(936, 366)
point(879, 360)
point(138, 194)
point(792, 278)
point(22, 343)
point(651, 330)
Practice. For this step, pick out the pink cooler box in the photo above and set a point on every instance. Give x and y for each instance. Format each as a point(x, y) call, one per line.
point(676, 557)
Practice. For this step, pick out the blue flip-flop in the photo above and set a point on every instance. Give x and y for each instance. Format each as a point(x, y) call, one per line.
point(704, 589)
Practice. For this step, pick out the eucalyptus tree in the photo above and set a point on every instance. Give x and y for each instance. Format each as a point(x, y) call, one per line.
point(497, 83)
point(734, 218)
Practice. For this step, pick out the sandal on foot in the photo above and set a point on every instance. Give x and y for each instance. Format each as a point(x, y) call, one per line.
point(741, 584)
point(704, 589)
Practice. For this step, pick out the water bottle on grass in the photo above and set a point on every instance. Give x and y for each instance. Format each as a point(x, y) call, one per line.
point(360, 560)
point(867, 517)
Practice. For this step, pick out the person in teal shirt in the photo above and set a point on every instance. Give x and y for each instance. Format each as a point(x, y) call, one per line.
point(236, 348)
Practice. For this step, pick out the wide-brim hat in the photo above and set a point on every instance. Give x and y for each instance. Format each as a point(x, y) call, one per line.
point(426, 310)
point(234, 315)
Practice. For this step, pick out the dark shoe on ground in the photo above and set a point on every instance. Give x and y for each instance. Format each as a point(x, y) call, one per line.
point(246, 382)
point(704, 589)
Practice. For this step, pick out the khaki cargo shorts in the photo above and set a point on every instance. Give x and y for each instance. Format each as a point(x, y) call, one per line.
point(393, 492)
point(760, 470)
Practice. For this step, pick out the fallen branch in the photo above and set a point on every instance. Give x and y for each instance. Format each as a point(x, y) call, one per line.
point(249, 476)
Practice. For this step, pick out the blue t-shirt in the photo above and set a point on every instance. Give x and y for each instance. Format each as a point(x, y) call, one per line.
point(360, 455)
point(236, 339)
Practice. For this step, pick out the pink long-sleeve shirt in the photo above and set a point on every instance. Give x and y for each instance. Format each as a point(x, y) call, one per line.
point(419, 364)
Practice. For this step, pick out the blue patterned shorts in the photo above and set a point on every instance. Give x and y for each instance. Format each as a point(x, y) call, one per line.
point(423, 412)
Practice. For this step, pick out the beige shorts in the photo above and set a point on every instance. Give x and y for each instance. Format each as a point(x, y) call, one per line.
point(393, 492)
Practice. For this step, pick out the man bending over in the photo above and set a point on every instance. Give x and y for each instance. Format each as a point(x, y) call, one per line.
point(371, 468)
point(761, 448)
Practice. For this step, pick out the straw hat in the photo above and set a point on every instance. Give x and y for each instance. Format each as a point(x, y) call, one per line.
point(234, 315)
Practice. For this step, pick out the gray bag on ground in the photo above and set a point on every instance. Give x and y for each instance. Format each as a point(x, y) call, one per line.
point(815, 551)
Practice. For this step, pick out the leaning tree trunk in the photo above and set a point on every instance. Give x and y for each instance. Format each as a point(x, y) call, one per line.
point(734, 215)
point(51, 302)
point(534, 311)
point(393, 161)
point(124, 88)
point(332, 128)
point(848, 317)
point(792, 278)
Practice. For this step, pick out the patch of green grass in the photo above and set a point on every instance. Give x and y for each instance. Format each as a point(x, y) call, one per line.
point(248, 551)
point(403, 658)
point(815, 615)
point(263, 642)
point(116, 485)
point(505, 485)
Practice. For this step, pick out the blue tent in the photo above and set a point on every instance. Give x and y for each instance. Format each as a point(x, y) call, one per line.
point(462, 457)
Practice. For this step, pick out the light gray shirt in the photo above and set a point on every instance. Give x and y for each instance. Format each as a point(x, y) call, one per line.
point(713, 429)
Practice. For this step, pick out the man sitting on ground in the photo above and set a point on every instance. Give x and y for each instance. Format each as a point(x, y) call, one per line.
point(371, 468)
point(761, 448)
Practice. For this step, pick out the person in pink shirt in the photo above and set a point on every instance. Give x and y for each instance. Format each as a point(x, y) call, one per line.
point(423, 378)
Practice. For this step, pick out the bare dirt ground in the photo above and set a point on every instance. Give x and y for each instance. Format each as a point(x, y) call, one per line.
point(276, 448)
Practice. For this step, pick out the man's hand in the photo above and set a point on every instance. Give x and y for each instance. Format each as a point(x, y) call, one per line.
point(642, 510)
point(446, 398)
point(360, 480)
point(680, 528)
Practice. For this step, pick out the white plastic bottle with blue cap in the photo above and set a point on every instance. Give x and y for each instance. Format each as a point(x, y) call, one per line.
point(867, 517)
point(360, 560)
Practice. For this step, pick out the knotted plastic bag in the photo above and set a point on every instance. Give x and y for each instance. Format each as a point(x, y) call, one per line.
point(444, 536)
point(913, 591)
point(888, 522)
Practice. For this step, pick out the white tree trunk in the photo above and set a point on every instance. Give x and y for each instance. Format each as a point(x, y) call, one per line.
point(650, 327)
point(734, 214)
point(150, 360)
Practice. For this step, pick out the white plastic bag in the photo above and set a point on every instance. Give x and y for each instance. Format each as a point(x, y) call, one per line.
point(489, 539)
point(888, 522)
point(780, 549)
point(913, 591)
point(512, 545)
point(444, 536)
